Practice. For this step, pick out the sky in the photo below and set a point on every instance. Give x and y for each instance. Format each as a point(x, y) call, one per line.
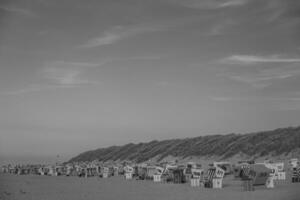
point(77, 75)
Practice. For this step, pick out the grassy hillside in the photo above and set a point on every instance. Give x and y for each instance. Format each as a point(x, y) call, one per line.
point(275, 142)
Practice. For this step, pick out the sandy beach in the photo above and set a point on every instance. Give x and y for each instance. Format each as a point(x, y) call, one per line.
point(33, 187)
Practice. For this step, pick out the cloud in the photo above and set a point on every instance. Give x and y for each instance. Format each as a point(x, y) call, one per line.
point(64, 64)
point(279, 103)
point(143, 58)
point(209, 4)
point(33, 88)
point(63, 76)
point(58, 75)
point(282, 10)
point(222, 99)
point(117, 33)
point(67, 73)
point(163, 83)
point(250, 59)
point(255, 98)
point(134, 58)
point(263, 77)
point(106, 39)
point(20, 11)
point(221, 27)
point(233, 3)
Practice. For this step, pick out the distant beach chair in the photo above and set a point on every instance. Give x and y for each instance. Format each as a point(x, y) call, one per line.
point(294, 163)
point(270, 182)
point(178, 175)
point(208, 178)
point(195, 182)
point(214, 177)
point(128, 175)
point(157, 178)
point(218, 178)
point(255, 175)
point(296, 175)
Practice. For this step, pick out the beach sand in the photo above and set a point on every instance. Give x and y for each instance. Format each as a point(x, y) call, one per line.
point(34, 187)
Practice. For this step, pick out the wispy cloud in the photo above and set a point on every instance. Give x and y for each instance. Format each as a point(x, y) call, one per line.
point(58, 75)
point(291, 103)
point(261, 78)
point(273, 99)
point(222, 99)
point(277, 103)
point(209, 4)
point(137, 58)
point(64, 76)
point(117, 33)
point(33, 88)
point(163, 83)
point(67, 73)
point(251, 59)
point(64, 64)
point(233, 3)
point(107, 38)
point(15, 10)
point(281, 11)
point(221, 27)
point(143, 58)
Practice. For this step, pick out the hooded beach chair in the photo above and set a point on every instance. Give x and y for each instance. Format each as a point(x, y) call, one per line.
point(208, 178)
point(128, 172)
point(226, 166)
point(296, 175)
point(256, 175)
point(218, 178)
point(178, 176)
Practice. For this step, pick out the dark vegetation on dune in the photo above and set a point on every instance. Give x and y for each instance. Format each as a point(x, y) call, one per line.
point(278, 142)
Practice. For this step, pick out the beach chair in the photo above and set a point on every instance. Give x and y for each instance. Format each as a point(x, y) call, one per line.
point(105, 172)
point(248, 184)
point(167, 176)
point(128, 175)
point(116, 171)
point(208, 178)
point(270, 182)
point(258, 174)
point(296, 175)
point(281, 175)
point(218, 178)
point(245, 170)
point(226, 166)
point(294, 163)
point(157, 178)
point(195, 182)
point(247, 180)
point(178, 176)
